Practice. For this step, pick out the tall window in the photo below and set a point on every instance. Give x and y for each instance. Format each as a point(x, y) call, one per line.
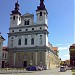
point(40, 13)
point(40, 39)
point(3, 55)
point(32, 41)
point(13, 17)
point(25, 23)
point(25, 41)
point(19, 41)
point(28, 22)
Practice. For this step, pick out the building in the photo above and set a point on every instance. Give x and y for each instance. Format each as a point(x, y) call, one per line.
point(1, 46)
point(4, 57)
point(55, 49)
point(66, 62)
point(28, 41)
point(53, 59)
point(72, 55)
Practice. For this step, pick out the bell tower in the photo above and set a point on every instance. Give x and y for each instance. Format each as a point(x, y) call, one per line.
point(15, 17)
point(41, 13)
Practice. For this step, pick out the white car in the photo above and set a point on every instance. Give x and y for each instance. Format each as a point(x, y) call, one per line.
point(62, 68)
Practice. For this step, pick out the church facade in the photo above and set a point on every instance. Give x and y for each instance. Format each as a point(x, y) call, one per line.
point(28, 41)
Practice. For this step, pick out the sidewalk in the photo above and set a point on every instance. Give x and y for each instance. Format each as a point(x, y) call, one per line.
point(14, 71)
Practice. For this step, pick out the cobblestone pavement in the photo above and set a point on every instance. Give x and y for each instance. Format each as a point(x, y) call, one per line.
point(44, 72)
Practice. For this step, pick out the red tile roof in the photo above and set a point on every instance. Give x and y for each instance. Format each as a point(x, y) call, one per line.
point(55, 48)
point(5, 48)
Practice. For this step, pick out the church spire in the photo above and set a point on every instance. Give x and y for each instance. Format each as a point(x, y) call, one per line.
point(42, 6)
point(41, 2)
point(16, 11)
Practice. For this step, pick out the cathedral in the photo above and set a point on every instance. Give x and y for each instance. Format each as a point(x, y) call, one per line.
point(28, 41)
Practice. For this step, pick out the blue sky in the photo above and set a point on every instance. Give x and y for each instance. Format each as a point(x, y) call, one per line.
point(60, 21)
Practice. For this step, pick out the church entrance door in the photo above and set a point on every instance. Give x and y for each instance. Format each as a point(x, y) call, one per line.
point(25, 64)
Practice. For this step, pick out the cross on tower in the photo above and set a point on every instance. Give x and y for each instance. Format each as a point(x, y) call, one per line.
point(41, 2)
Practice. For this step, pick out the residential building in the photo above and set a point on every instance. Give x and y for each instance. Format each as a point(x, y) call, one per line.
point(72, 55)
point(1, 46)
point(4, 57)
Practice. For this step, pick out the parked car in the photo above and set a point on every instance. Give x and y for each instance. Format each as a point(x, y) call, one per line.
point(31, 68)
point(62, 68)
point(38, 68)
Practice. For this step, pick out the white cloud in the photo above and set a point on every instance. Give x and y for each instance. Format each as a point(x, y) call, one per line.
point(65, 57)
point(63, 48)
point(59, 44)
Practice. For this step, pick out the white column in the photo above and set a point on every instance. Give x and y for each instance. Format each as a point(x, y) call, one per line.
point(36, 58)
point(14, 58)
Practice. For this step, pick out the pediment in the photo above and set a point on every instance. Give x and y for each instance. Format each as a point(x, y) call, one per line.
point(28, 15)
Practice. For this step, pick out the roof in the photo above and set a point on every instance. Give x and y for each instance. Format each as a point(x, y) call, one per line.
point(28, 15)
point(5, 48)
point(55, 48)
point(2, 37)
point(72, 46)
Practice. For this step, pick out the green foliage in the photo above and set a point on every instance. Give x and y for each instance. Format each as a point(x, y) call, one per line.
point(73, 74)
point(73, 70)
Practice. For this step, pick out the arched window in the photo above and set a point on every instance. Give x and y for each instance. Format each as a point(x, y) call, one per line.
point(25, 41)
point(19, 41)
point(40, 13)
point(13, 17)
point(26, 22)
point(32, 41)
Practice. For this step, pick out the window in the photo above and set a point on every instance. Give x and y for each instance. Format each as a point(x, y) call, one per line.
point(40, 39)
point(26, 22)
point(19, 41)
point(3, 55)
point(12, 30)
point(13, 17)
point(32, 41)
point(40, 13)
point(40, 28)
point(32, 28)
point(25, 41)
point(20, 30)
point(26, 29)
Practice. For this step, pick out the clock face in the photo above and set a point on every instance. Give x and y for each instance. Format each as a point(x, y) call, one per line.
point(40, 17)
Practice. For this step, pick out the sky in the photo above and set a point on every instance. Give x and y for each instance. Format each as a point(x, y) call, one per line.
point(60, 21)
